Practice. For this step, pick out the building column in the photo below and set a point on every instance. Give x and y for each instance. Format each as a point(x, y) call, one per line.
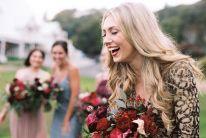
point(3, 57)
point(21, 50)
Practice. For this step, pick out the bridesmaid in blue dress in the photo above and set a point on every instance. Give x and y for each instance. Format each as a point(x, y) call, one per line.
point(65, 121)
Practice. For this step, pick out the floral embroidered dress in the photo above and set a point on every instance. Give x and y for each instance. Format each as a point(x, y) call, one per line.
point(180, 81)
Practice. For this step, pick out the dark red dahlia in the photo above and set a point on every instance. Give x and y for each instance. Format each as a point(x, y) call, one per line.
point(123, 121)
point(103, 124)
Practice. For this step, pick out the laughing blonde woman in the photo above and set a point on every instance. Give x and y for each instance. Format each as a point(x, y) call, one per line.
point(144, 61)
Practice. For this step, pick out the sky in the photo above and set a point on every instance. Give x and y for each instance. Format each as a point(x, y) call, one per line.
point(52, 7)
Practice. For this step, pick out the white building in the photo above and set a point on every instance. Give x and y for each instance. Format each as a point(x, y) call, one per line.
point(20, 31)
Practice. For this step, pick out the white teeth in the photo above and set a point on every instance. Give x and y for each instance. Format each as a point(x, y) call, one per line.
point(110, 49)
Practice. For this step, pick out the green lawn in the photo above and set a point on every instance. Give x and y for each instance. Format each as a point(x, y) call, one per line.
point(87, 84)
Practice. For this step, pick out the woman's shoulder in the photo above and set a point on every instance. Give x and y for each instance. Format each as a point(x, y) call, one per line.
point(21, 72)
point(46, 75)
point(73, 68)
point(179, 75)
point(24, 69)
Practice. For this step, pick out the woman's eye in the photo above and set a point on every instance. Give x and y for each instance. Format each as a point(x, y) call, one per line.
point(115, 32)
point(103, 35)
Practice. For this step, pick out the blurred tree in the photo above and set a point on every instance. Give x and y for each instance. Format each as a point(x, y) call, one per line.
point(88, 33)
point(67, 20)
point(84, 30)
point(187, 25)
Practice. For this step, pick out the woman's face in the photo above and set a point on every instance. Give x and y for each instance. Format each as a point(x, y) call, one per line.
point(117, 45)
point(36, 59)
point(59, 55)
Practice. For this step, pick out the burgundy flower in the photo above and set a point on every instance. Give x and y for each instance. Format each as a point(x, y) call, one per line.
point(92, 99)
point(91, 122)
point(132, 113)
point(101, 111)
point(149, 123)
point(11, 99)
point(21, 85)
point(123, 121)
point(95, 101)
point(103, 124)
point(91, 118)
point(116, 133)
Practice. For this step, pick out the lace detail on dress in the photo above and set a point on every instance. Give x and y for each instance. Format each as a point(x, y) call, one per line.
point(180, 81)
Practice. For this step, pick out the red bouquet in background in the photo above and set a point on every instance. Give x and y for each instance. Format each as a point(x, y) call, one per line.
point(133, 118)
point(29, 97)
point(88, 103)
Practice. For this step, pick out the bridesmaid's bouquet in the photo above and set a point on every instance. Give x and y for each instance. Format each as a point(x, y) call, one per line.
point(29, 97)
point(133, 119)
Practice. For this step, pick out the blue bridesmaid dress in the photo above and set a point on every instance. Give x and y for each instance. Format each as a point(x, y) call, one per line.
point(60, 112)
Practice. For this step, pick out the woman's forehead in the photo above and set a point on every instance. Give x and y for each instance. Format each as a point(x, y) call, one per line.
point(109, 23)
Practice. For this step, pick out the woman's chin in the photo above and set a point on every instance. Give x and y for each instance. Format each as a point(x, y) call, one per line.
point(36, 66)
point(117, 60)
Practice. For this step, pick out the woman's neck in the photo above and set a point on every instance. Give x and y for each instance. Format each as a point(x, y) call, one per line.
point(140, 88)
point(136, 66)
point(63, 66)
point(34, 69)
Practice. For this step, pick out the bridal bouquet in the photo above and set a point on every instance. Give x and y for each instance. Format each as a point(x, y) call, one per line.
point(29, 97)
point(132, 119)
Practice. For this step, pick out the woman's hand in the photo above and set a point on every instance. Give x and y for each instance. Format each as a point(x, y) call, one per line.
point(65, 127)
point(2, 117)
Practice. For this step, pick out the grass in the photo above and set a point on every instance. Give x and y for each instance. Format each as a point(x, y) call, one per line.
point(202, 116)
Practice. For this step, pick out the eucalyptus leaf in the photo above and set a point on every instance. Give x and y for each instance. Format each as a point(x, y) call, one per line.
point(120, 103)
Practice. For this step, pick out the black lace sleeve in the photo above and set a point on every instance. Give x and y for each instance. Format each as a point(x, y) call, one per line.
point(181, 82)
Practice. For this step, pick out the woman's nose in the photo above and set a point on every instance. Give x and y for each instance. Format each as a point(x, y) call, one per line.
point(107, 40)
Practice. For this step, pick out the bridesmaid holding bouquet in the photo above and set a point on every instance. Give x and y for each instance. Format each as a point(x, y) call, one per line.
point(28, 124)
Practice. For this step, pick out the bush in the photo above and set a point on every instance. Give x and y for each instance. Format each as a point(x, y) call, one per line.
point(202, 62)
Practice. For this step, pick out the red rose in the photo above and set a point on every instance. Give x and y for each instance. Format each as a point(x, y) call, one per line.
point(116, 133)
point(91, 122)
point(47, 91)
point(91, 118)
point(92, 99)
point(95, 101)
point(102, 124)
point(21, 85)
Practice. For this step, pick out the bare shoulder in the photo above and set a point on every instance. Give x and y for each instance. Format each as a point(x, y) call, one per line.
point(53, 68)
point(73, 69)
point(20, 72)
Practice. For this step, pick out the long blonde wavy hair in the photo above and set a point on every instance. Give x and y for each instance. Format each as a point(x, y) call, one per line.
point(140, 27)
